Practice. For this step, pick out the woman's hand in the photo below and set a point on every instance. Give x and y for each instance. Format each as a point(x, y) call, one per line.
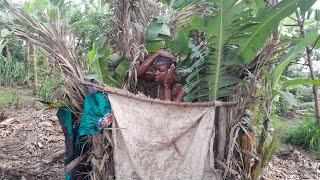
point(169, 79)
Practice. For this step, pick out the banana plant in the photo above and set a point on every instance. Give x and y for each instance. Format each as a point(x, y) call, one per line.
point(105, 66)
point(235, 35)
point(299, 81)
point(252, 39)
point(158, 32)
point(212, 74)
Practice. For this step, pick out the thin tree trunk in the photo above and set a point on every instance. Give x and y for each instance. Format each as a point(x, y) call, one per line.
point(35, 69)
point(26, 66)
point(314, 88)
point(47, 67)
point(310, 65)
point(9, 65)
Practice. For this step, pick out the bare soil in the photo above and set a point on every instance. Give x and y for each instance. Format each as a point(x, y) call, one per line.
point(32, 142)
point(293, 164)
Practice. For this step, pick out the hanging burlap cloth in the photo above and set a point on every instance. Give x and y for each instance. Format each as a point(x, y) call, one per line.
point(162, 140)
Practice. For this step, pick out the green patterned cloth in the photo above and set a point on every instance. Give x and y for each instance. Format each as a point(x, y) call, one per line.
point(96, 108)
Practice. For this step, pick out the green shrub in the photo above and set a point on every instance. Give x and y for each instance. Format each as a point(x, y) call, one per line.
point(306, 135)
point(5, 97)
point(51, 90)
point(279, 127)
point(10, 71)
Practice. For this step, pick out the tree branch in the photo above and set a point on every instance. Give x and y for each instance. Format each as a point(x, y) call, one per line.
point(315, 43)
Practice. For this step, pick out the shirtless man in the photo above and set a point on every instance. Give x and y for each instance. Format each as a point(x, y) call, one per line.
point(164, 75)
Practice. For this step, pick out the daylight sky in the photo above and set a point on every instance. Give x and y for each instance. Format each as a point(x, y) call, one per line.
point(317, 5)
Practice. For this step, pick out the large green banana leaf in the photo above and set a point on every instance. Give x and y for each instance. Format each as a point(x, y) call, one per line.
point(219, 29)
point(291, 55)
point(252, 39)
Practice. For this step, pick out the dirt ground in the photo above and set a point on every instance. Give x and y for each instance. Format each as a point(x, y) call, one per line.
point(293, 164)
point(32, 142)
point(32, 146)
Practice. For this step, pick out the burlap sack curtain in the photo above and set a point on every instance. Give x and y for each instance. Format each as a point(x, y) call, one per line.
point(159, 140)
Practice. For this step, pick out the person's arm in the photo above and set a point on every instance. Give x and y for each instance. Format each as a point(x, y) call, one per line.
point(180, 96)
point(143, 68)
point(167, 93)
point(168, 82)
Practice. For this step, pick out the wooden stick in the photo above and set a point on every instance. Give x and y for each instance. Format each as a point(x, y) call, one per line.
point(55, 157)
point(122, 92)
point(74, 163)
point(232, 171)
point(7, 122)
point(3, 156)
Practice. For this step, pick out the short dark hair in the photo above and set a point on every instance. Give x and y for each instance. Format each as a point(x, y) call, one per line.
point(166, 60)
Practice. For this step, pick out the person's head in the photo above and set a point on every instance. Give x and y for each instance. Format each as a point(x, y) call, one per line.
point(161, 68)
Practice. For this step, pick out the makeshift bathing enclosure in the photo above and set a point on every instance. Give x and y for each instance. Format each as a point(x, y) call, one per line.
point(154, 139)
point(149, 138)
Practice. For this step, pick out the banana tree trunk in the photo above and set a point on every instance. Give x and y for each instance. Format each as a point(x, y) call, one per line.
point(310, 65)
point(266, 121)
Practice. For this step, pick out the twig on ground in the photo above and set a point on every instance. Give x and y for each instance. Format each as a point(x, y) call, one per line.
point(55, 157)
point(7, 122)
point(3, 156)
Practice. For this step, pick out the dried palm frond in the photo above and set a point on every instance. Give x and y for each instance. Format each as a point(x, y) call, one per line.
point(132, 20)
point(55, 38)
point(240, 124)
point(184, 16)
